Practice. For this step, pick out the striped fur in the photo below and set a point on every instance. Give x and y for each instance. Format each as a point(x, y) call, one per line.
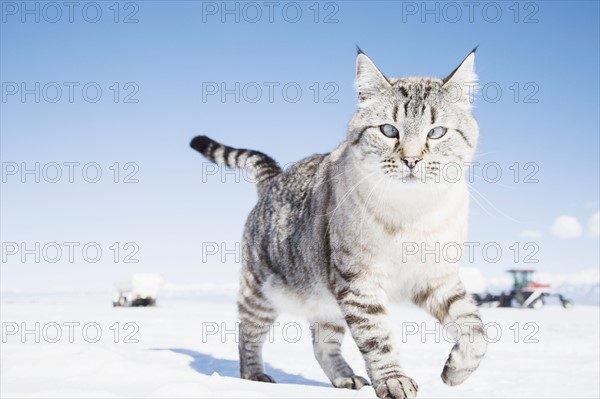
point(261, 166)
point(326, 237)
point(327, 341)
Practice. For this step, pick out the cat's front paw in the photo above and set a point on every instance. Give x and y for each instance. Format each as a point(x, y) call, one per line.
point(453, 376)
point(353, 382)
point(398, 387)
point(463, 361)
point(261, 377)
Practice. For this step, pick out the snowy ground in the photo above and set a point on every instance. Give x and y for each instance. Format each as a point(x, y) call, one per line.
point(186, 347)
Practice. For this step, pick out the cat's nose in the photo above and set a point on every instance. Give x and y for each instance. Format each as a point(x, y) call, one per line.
point(411, 162)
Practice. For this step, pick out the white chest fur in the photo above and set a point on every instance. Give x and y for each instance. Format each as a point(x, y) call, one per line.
point(426, 247)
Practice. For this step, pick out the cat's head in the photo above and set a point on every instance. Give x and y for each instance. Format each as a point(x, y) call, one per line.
point(414, 130)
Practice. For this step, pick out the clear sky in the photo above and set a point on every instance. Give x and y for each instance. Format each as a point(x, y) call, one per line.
point(131, 84)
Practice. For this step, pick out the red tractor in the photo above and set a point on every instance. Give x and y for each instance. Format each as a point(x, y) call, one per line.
point(525, 293)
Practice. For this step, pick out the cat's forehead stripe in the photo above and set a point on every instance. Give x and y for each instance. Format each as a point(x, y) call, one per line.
point(414, 96)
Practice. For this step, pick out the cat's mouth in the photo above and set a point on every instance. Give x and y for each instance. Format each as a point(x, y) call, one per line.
point(415, 178)
point(412, 178)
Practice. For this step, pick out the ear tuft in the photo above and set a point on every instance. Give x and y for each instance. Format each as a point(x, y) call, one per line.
point(463, 80)
point(369, 80)
point(465, 72)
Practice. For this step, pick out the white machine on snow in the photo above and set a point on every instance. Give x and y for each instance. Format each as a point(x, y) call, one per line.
point(142, 290)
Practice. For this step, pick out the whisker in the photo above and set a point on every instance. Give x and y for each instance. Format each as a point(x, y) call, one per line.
point(344, 200)
point(481, 206)
point(330, 179)
point(484, 154)
point(499, 184)
point(365, 209)
point(494, 206)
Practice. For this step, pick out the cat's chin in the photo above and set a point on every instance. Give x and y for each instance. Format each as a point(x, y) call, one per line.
point(413, 179)
point(417, 186)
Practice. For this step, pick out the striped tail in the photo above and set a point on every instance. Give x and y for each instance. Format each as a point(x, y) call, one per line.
point(260, 165)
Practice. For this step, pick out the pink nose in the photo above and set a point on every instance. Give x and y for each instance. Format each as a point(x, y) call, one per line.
point(411, 162)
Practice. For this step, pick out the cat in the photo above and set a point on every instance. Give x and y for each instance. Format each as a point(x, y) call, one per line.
point(326, 237)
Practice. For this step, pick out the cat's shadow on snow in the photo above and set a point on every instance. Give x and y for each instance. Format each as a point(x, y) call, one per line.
point(207, 364)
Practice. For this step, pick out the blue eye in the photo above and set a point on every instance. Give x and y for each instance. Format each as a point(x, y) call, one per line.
point(389, 131)
point(437, 132)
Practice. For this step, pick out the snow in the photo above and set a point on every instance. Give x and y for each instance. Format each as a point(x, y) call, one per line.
point(186, 347)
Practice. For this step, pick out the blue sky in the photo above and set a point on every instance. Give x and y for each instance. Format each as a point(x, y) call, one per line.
point(544, 57)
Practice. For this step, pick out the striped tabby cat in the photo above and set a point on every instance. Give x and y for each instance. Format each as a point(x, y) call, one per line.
point(327, 235)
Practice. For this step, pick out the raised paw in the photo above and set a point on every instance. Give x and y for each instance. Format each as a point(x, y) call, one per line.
point(455, 376)
point(455, 372)
point(462, 362)
point(399, 387)
point(262, 377)
point(353, 382)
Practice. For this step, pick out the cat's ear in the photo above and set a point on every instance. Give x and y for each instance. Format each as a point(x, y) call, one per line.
point(369, 80)
point(462, 82)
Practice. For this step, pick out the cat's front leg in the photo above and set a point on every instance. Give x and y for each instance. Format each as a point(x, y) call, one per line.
point(365, 313)
point(450, 303)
